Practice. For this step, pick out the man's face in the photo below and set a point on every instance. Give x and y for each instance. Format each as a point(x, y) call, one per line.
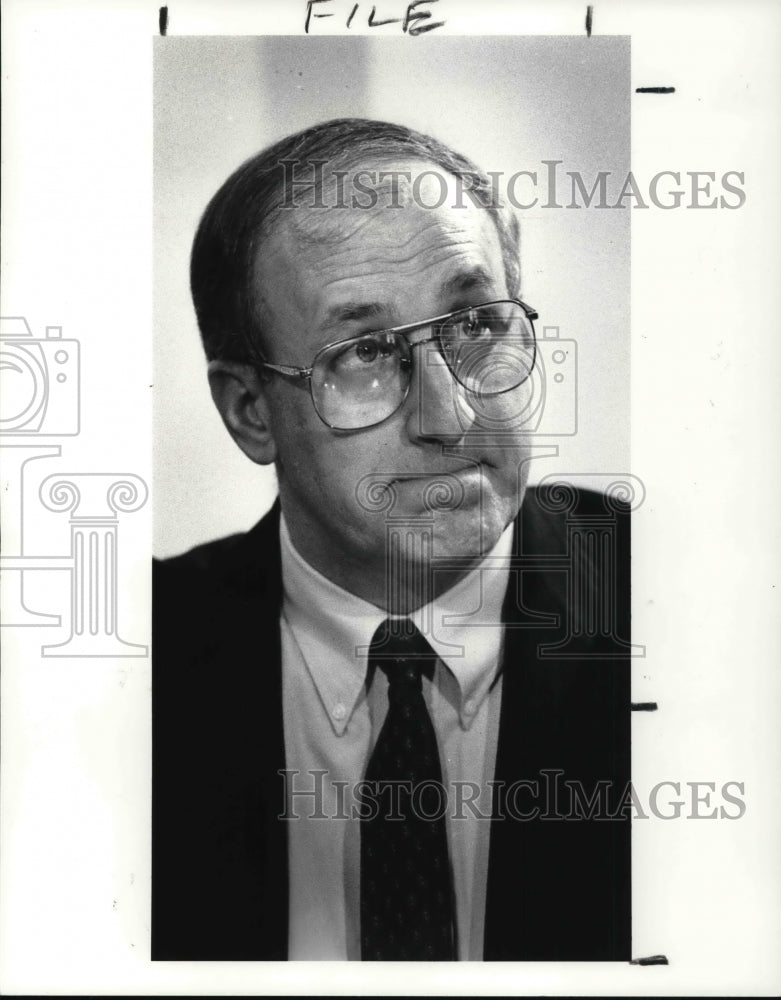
point(324, 277)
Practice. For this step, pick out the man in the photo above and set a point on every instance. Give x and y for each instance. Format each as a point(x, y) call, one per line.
point(369, 710)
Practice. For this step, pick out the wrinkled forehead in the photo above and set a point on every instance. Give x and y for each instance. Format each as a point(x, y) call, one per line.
point(408, 246)
point(390, 197)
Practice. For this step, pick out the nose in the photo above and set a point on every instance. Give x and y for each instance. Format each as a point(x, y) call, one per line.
point(437, 406)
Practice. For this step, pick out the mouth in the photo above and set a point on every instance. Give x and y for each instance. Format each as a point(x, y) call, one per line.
point(461, 473)
point(446, 490)
point(461, 488)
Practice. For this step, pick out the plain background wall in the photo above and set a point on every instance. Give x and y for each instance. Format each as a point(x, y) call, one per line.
point(508, 102)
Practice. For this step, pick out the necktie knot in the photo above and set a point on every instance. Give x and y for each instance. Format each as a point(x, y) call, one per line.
point(403, 655)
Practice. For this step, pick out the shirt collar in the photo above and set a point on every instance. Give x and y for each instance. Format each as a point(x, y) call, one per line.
point(334, 628)
point(464, 626)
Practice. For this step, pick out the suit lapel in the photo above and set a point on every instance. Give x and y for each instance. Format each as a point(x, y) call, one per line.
point(558, 888)
point(220, 854)
point(253, 750)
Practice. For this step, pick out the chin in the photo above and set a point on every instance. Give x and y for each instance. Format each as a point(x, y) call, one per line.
point(466, 534)
point(425, 558)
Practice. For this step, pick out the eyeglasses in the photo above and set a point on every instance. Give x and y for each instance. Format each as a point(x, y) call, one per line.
point(360, 382)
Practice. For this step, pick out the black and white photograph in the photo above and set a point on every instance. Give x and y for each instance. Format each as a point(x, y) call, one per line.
point(400, 410)
point(386, 577)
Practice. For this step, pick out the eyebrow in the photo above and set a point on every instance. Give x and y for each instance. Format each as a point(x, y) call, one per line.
point(346, 311)
point(464, 281)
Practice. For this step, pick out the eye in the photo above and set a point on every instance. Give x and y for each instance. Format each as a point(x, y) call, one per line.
point(367, 350)
point(473, 324)
point(364, 355)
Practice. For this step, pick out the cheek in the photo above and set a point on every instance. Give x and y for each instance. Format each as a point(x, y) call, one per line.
point(298, 444)
point(293, 424)
point(324, 468)
point(506, 417)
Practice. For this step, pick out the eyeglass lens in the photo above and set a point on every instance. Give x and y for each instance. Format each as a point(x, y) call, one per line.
point(361, 382)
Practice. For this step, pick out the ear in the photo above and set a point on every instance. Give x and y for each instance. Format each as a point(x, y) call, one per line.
point(239, 393)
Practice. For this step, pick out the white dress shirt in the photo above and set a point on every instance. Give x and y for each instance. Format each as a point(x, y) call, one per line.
point(331, 723)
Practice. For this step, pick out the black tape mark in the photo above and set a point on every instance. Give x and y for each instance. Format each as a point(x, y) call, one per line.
point(654, 90)
point(163, 21)
point(644, 706)
point(651, 960)
point(589, 20)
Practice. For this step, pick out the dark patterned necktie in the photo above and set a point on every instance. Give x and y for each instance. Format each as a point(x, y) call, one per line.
point(407, 905)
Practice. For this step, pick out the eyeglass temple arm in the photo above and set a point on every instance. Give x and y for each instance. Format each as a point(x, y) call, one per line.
point(531, 312)
point(301, 373)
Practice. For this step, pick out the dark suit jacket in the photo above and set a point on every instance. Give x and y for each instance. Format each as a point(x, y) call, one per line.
point(558, 888)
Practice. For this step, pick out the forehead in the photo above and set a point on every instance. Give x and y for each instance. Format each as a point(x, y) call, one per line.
point(421, 240)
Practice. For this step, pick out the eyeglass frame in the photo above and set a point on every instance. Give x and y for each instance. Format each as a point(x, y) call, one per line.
point(302, 374)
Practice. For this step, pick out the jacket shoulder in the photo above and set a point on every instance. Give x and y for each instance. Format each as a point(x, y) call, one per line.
point(241, 558)
point(576, 541)
point(206, 560)
point(215, 585)
point(549, 507)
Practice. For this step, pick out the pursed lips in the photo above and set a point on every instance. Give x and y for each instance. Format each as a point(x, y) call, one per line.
point(475, 467)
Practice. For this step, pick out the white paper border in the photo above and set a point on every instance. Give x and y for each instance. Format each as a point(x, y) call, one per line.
point(76, 252)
